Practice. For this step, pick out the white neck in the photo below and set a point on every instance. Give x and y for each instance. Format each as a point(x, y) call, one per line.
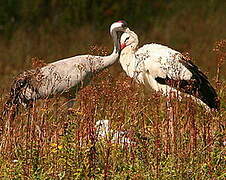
point(128, 60)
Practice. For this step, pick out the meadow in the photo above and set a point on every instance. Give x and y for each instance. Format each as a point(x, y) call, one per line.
point(50, 141)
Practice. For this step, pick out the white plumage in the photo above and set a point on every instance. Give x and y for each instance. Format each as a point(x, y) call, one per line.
point(164, 69)
point(104, 131)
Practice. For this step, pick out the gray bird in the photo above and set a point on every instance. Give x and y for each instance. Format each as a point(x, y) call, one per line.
point(60, 76)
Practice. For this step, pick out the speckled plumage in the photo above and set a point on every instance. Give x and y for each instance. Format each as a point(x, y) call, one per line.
point(60, 76)
point(166, 70)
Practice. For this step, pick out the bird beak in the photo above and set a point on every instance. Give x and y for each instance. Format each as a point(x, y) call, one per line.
point(122, 46)
point(127, 30)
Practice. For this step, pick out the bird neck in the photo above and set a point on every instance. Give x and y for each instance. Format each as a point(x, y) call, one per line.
point(115, 36)
point(106, 61)
point(128, 60)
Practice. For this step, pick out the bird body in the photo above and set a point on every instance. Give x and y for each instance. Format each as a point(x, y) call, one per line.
point(60, 76)
point(152, 61)
point(165, 70)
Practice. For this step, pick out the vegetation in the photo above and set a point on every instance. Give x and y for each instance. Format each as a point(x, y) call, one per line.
point(50, 141)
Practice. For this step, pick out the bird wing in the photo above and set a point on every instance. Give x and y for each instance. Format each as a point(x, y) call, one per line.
point(61, 75)
point(200, 87)
point(165, 66)
point(161, 61)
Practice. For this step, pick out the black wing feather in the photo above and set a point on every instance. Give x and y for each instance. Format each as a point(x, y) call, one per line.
point(198, 86)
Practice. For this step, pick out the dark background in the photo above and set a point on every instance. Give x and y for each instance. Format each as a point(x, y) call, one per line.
point(55, 29)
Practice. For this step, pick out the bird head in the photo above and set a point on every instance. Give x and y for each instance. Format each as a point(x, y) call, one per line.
point(118, 26)
point(128, 38)
point(116, 30)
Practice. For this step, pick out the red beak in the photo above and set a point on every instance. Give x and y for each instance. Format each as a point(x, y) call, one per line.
point(122, 46)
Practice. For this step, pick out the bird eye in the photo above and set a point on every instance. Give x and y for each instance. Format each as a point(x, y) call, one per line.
point(127, 39)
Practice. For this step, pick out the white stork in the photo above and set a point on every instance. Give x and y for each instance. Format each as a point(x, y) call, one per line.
point(58, 77)
point(164, 69)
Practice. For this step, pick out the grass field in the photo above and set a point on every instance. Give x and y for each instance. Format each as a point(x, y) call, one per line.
point(51, 141)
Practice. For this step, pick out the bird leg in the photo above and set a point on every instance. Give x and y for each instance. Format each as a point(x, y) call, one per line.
point(70, 103)
point(70, 98)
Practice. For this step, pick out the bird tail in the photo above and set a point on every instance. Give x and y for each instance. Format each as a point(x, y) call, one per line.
point(202, 90)
point(16, 96)
point(208, 95)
